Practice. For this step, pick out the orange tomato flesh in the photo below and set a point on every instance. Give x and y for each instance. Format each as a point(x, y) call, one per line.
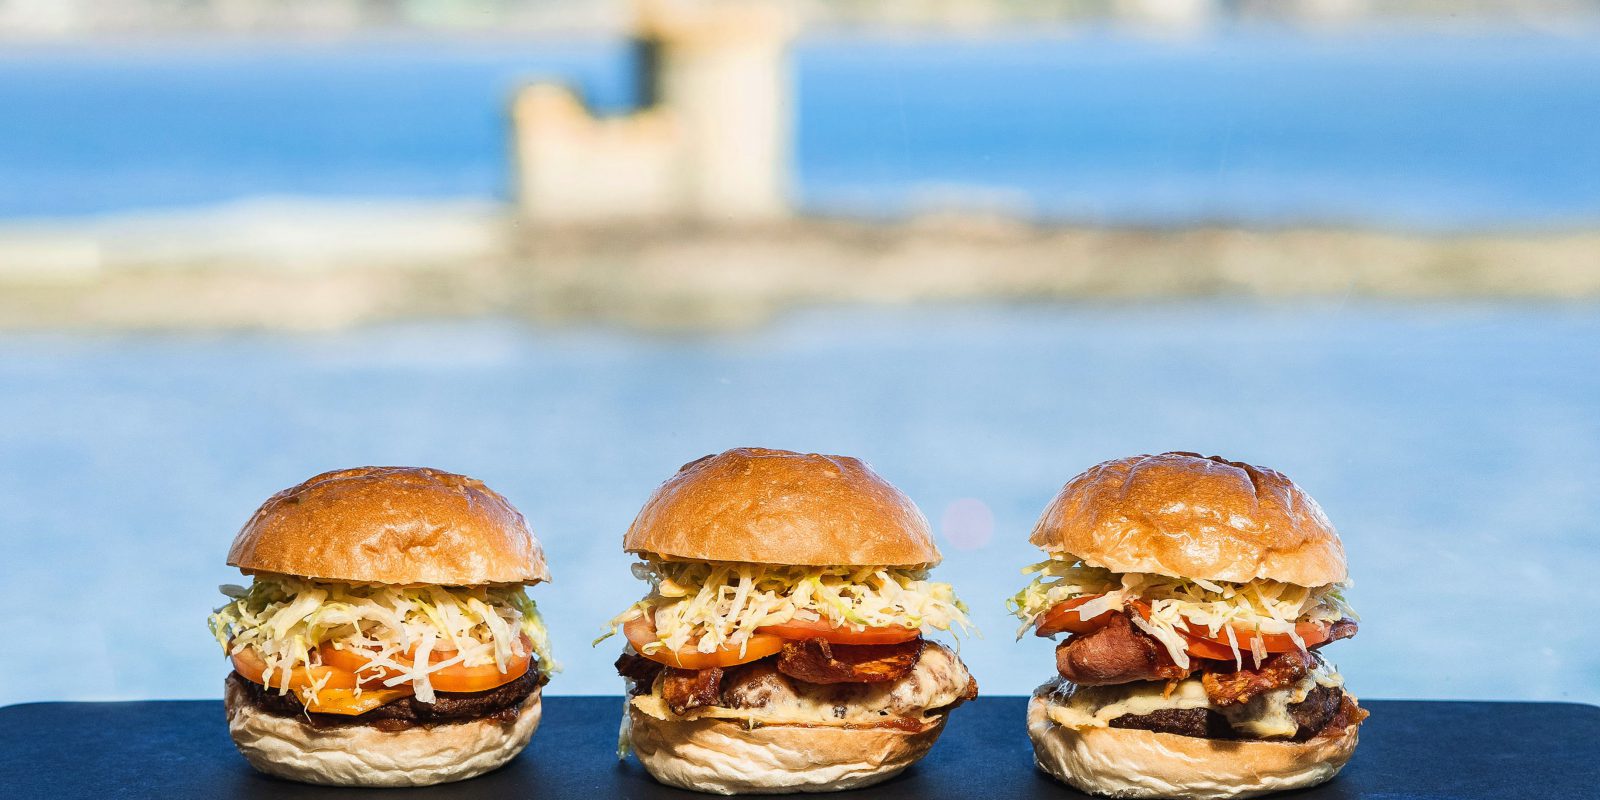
point(355, 661)
point(249, 664)
point(459, 678)
point(1201, 644)
point(454, 678)
point(1216, 651)
point(1312, 633)
point(338, 677)
point(641, 632)
point(338, 694)
point(1063, 618)
point(822, 629)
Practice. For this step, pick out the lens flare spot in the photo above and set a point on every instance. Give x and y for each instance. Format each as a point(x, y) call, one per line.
point(968, 524)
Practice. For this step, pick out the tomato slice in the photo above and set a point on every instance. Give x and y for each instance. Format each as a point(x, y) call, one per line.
point(641, 632)
point(454, 678)
point(354, 660)
point(459, 678)
point(337, 696)
point(1201, 644)
point(799, 629)
point(1312, 633)
point(249, 664)
point(1207, 648)
point(1062, 618)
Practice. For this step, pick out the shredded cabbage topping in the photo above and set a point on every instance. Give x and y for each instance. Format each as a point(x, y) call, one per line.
point(1262, 607)
point(714, 605)
point(285, 619)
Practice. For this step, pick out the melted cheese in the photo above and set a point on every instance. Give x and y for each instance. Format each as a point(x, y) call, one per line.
point(1265, 716)
point(939, 679)
point(350, 702)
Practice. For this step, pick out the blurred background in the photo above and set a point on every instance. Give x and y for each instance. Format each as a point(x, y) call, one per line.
point(567, 246)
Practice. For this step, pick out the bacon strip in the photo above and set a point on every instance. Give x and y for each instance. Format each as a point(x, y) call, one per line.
point(684, 689)
point(1343, 629)
point(1116, 653)
point(818, 661)
point(1277, 671)
point(642, 671)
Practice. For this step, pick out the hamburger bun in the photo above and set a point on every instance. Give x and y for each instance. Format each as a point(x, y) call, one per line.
point(776, 507)
point(391, 525)
point(728, 757)
point(1188, 516)
point(1128, 763)
point(359, 755)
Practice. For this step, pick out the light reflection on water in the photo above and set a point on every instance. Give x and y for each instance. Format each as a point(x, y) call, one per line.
point(1458, 449)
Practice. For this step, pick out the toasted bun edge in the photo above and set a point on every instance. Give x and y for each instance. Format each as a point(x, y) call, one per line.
point(727, 757)
point(287, 748)
point(1128, 763)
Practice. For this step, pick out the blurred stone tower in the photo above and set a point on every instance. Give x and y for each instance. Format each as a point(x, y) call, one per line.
point(711, 141)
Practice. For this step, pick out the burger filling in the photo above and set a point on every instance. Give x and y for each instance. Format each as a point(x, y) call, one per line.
point(502, 704)
point(810, 683)
point(1313, 705)
point(333, 652)
point(777, 645)
point(1190, 657)
point(710, 607)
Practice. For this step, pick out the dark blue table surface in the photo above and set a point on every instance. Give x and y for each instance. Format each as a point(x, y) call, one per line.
point(180, 749)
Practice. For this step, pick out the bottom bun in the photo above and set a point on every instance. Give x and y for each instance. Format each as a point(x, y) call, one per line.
point(1122, 762)
point(359, 755)
point(728, 757)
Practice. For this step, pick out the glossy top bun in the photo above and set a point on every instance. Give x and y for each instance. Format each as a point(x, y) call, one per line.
point(777, 507)
point(1189, 516)
point(393, 525)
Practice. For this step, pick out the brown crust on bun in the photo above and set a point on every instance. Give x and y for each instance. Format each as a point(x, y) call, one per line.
point(729, 757)
point(391, 525)
point(365, 756)
point(1189, 516)
point(1124, 762)
point(777, 507)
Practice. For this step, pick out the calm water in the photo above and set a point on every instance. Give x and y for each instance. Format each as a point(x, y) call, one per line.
point(1458, 449)
point(1257, 126)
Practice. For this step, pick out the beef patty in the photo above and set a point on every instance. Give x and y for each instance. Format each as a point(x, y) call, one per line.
point(1311, 714)
point(501, 703)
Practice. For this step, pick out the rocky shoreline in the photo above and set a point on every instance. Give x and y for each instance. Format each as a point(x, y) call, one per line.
point(321, 266)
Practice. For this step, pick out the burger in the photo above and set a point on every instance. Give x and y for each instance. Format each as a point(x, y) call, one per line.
point(1196, 595)
point(385, 638)
point(780, 647)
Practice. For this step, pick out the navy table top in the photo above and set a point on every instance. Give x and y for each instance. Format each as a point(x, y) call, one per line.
point(180, 749)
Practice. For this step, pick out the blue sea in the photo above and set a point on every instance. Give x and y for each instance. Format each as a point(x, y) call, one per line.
point(1457, 448)
point(1400, 129)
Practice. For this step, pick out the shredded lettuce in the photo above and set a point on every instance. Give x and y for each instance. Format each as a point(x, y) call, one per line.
point(285, 619)
point(1260, 606)
point(713, 605)
point(1056, 581)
